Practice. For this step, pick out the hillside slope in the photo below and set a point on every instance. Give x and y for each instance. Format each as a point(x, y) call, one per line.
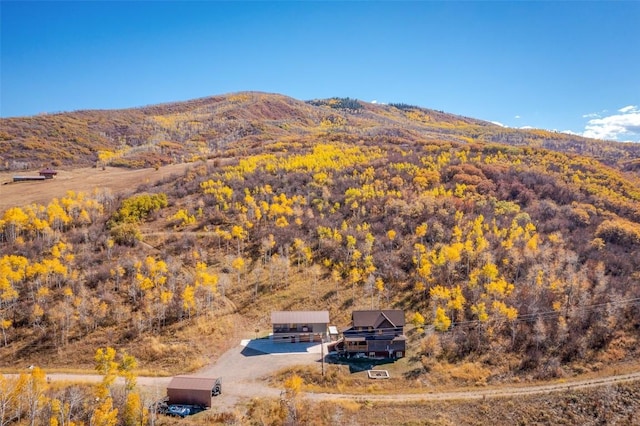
point(184, 131)
point(510, 261)
point(491, 249)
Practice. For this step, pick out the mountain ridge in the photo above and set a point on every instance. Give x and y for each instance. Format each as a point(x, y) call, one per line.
point(186, 130)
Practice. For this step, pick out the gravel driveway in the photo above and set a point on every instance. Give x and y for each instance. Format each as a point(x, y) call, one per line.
point(244, 368)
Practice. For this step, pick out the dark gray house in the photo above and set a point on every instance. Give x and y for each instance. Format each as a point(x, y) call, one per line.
point(299, 326)
point(375, 334)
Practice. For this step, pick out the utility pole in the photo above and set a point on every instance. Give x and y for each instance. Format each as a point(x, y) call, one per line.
point(322, 352)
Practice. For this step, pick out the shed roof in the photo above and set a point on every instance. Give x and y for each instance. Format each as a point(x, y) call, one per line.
point(192, 383)
point(300, 317)
point(376, 318)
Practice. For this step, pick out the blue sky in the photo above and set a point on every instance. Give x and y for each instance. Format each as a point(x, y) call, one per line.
point(566, 66)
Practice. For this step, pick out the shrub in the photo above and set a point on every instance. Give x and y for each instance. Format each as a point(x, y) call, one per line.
point(138, 207)
point(126, 234)
point(619, 231)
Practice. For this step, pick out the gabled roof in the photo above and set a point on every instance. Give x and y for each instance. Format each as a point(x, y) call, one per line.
point(192, 383)
point(300, 317)
point(378, 319)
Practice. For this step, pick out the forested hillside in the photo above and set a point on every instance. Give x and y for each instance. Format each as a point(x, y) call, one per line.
point(521, 259)
point(241, 123)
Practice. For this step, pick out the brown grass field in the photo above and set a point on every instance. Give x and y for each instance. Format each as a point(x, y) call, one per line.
point(118, 180)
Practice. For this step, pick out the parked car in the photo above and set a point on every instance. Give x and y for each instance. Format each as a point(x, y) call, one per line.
point(178, 411)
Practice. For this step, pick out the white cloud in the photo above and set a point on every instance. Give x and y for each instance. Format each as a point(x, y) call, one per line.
point(591, 115)
point(374, 101)
point(516, 117)
point(613, 127)
point(526, 127)
point(497, 123)
point(629, 108)
point(569, 132)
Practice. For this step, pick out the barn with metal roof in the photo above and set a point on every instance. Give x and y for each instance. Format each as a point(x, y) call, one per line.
point(193, 390)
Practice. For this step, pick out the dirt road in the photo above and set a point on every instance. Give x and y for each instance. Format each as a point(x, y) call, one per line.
point(244, 370)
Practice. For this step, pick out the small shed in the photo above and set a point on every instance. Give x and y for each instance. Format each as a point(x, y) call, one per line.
point(27, 178)
point(48, 173)
point(193, 390)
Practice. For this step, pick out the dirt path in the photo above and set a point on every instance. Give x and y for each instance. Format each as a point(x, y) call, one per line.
point(245, 368)
point(493, 392)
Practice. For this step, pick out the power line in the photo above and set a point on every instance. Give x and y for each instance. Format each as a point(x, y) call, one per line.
point(529, 317)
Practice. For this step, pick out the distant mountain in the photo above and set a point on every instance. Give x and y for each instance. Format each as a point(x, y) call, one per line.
point(241, 122)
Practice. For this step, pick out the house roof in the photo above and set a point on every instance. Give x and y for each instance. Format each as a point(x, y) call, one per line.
point(395, 317)
point(192, 383)
point(300, 317)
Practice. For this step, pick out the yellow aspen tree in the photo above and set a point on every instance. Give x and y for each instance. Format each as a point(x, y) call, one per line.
point(84, 219)
point(238, 264)
point(134, 412)
point(36, 315)
point(281, 222)
point(417, 320)
point(499, 288)
point(5, 324)
point(105, 414)
point(11, 398)
point(453, 252)
point(391, 235)
point(240, 234)
point(107, 366)
point(13, 269)
point(480, 310)
point(183, 218)
point(14, 220)
point(441, 322)
point(380, 287)
point(56, 409)
point(207, 281)
point(355, 277)
point(440, 293)
point(421, 231)
point(33, 393)
point(456, 233)
point(457, 301)
point(189, 299)
point(126, 370)
point(57, 216)
point(501, 308)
